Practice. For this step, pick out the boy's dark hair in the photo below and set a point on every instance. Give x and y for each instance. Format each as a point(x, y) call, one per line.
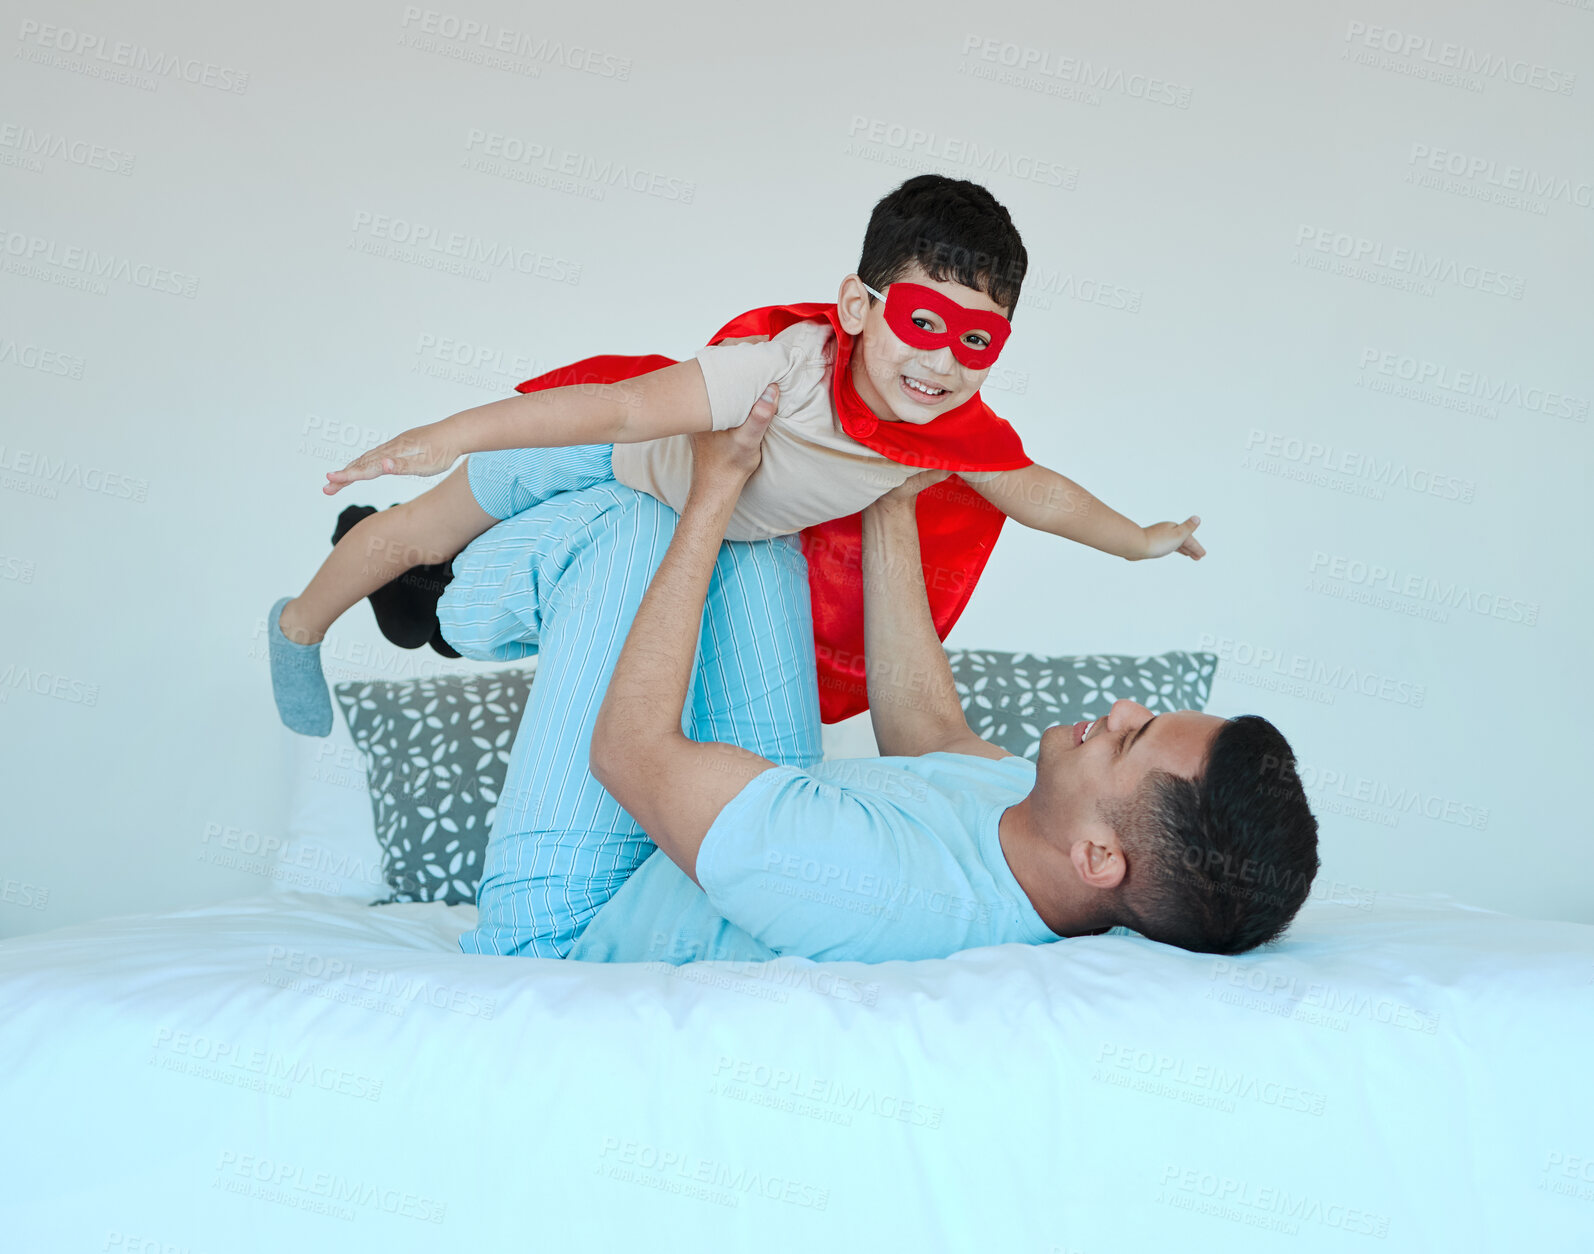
point(955, 229)
point(1220, 864)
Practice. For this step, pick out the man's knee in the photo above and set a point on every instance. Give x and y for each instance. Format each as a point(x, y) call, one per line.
point(614, 514)
point(764, 581)
point(653, 515)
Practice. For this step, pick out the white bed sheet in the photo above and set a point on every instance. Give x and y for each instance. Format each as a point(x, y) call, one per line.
point(302, 1073)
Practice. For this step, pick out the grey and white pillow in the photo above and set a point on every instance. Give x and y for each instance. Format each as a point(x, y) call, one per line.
point(1011, 698)
point(436, 751)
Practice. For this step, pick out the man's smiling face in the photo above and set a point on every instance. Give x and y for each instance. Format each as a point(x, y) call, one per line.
point(1087, 768)
point(896, 380)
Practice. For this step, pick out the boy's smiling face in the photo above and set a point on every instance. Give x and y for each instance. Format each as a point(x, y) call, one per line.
point(897, 381)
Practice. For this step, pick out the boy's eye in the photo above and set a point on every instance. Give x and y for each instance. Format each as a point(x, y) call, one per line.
point(923, 323)
point(977, 341)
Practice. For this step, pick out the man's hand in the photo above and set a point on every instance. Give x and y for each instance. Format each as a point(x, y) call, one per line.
point(728, 458)
point(1168, 537)
point(907, 492)
point(428, 450)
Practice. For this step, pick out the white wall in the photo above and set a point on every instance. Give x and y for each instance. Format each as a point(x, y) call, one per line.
point(1181, 330)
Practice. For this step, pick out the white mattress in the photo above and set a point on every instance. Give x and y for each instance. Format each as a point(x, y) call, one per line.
point(302, 1073)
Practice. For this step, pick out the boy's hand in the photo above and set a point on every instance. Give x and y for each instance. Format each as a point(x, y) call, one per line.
point(1167, 537)
point(424, 450)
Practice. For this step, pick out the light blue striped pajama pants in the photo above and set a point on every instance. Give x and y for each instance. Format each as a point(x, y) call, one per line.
point(562, 578)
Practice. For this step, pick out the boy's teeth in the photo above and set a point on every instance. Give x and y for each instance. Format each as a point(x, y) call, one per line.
point(919, 387)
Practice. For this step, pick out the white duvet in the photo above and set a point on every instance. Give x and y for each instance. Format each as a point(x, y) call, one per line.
point(298, 1073)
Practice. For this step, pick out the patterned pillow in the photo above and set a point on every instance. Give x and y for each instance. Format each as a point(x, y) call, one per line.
point(436, 752)
point(1011, 698)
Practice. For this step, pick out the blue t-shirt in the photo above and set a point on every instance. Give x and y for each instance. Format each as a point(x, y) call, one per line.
point(861, 859)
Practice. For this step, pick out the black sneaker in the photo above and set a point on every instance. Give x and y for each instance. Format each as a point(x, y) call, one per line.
point(406, 607)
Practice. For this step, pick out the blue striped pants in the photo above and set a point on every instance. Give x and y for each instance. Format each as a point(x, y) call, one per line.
point(562, 579)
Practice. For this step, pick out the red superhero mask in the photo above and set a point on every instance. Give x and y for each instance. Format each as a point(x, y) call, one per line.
point(908, 299)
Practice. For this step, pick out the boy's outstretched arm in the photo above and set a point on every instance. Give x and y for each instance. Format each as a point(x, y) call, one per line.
point(1041, 498)
point(671, 401)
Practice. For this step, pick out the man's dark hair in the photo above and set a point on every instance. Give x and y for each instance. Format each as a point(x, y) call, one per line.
point(955, 229)
point(1220, 864)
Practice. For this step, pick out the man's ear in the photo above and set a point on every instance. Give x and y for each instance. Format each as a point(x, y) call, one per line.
point(1098, 859)
point(852, 304)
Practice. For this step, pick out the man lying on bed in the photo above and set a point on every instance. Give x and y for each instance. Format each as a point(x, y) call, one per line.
point(1186, 827)
point(1181, 826)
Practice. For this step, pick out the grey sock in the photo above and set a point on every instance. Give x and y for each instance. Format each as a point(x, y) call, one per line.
point(297, 682)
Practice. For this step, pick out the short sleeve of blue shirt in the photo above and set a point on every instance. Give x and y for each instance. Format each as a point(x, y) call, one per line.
point(872, 859)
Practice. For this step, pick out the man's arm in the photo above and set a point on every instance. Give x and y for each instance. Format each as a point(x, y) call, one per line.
point(1047, 501)
point(673, 786)
point(913, 702)
point(670, 401)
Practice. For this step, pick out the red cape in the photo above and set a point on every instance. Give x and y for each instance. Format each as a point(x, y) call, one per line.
point(957, 526)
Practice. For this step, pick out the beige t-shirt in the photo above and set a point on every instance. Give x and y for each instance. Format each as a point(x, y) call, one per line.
point(811, 471)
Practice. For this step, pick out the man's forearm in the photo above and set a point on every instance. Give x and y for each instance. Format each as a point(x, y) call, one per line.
point(676, 787)
point(913, 701)
point(647, 691)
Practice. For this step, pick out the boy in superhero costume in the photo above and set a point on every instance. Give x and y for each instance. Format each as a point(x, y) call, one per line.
point(868, 391)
